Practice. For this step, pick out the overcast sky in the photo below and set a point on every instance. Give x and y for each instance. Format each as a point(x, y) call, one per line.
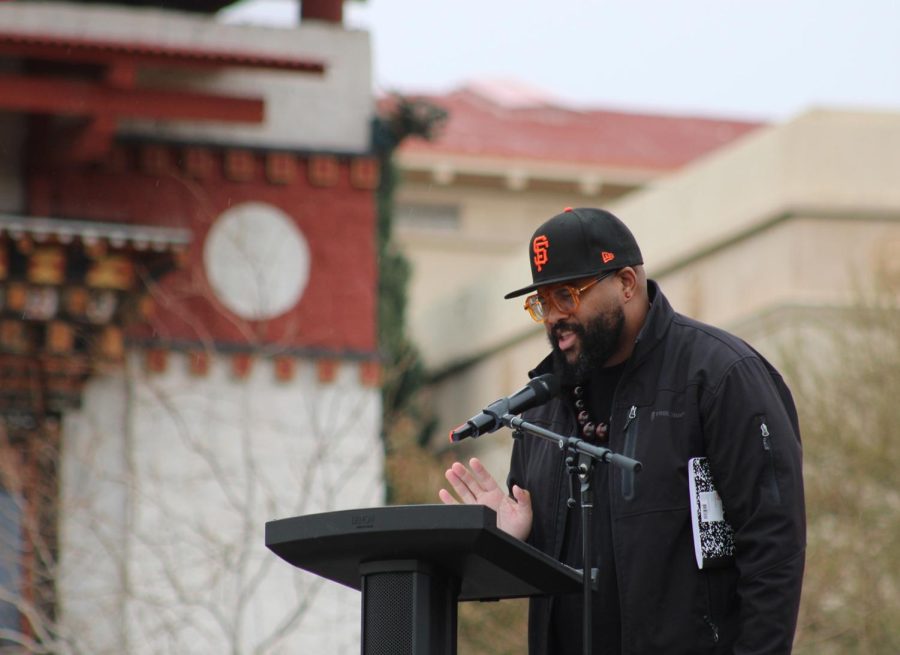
point(767, 59)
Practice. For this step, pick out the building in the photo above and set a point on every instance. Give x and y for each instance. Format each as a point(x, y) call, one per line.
point(508, 158)
point(767, 236)
point(188, 339)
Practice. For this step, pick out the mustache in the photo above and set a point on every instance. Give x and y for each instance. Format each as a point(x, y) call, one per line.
point(567, 327)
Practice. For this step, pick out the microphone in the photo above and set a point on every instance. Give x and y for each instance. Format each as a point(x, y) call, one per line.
point(536, 392)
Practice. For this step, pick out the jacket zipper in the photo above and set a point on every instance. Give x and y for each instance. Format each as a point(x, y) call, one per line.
point(632, 414)
point(630, 447)
point(713, 627)
point(770, 458)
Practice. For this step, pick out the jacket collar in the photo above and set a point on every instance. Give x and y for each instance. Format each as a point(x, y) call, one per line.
point(657, 323)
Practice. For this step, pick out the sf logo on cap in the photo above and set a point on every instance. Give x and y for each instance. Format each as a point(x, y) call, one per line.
point(540, 245)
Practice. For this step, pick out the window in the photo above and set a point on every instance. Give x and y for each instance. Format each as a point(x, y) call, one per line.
point(426, 217)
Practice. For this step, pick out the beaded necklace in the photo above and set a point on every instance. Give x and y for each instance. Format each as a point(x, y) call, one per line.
point(590, 430)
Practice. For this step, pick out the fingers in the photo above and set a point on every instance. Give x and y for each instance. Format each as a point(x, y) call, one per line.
point(472, 486)
point(484, 479)
point(447, 498)
point(463, 483)
point(518, 521)
point(522, 496)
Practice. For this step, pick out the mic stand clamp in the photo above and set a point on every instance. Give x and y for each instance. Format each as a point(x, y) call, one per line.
point(588, 454)
point(497, 410)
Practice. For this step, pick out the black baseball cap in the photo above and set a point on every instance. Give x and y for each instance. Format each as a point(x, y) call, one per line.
point(578, 243)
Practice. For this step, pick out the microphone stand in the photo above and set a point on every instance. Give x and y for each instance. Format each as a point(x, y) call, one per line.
point(588, 454)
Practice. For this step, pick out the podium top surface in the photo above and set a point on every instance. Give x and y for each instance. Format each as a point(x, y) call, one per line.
point(460, 541)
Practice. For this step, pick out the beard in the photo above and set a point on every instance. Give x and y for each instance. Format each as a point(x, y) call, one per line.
point(598, 339)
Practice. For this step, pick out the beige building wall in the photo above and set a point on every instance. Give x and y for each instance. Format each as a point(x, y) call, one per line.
point(812, 261)
point(763, 238)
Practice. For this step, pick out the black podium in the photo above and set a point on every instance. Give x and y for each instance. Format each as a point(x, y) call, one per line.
point(413, 563)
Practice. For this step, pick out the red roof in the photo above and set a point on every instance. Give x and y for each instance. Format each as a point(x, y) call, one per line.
point(482, 126)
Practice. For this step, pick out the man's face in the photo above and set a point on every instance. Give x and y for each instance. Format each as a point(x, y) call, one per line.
point(586, 339)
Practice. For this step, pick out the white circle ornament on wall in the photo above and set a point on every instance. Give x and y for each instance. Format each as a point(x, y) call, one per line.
point(256, 260)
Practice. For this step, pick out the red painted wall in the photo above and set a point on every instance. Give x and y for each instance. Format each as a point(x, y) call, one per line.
point(337, 311)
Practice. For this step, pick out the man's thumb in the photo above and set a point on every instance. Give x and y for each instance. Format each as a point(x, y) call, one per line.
point(521, 495)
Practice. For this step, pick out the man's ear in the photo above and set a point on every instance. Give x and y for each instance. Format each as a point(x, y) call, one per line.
point(628, 278)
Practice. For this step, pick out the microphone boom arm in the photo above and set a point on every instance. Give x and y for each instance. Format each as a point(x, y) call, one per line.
point(599, 453)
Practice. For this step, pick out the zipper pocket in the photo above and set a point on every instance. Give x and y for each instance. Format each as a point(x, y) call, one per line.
point(713, 628)
point(770, 474)
point(630, 430)
point(708, 617)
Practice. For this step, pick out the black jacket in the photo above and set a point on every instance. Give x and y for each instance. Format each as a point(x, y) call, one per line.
point(688, 390)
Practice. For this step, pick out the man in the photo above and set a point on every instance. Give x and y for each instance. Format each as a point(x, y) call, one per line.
point(659, 387)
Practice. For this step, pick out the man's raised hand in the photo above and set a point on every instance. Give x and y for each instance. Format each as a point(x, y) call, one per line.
point(475, 486)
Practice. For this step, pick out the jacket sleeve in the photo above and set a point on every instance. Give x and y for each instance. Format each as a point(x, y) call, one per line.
point(753, 444)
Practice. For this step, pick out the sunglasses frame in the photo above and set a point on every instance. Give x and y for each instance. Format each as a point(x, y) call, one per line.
point(575, 292)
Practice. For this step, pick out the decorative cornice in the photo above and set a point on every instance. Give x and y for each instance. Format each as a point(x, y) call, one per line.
point(116, 235)
point(284, 367)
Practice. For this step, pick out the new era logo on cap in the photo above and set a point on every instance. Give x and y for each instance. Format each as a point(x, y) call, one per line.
point(607, 256)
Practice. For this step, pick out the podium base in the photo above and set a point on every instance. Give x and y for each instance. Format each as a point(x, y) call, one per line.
point(409, 608)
